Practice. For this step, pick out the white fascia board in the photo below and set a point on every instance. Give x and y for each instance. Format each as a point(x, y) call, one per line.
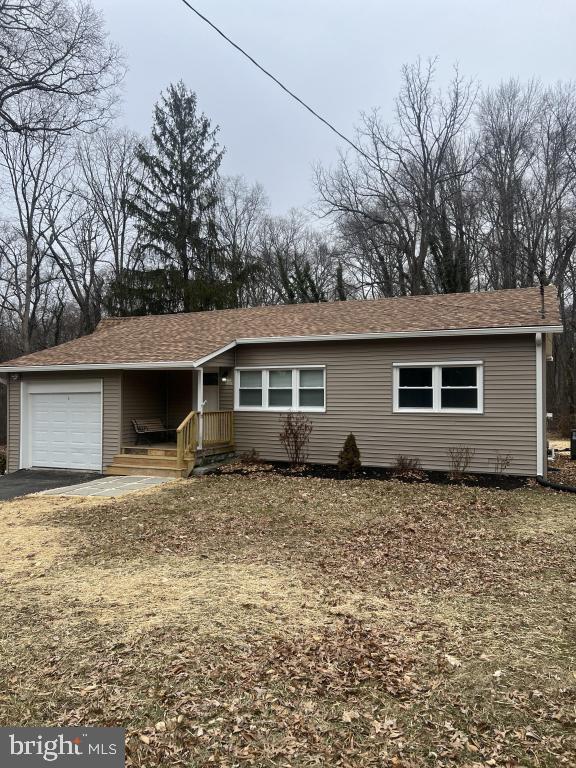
point(182, 365)
point(405, 334)
point(212, 355)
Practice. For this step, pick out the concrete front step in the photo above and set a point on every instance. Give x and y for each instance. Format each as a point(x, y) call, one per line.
point(147, 471)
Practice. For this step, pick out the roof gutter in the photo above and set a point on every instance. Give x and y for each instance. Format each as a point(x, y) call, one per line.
point(180, 365)
point(405, 334)
point(183, 364)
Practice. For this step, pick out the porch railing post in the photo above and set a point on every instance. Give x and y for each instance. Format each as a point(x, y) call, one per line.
point(200, 408)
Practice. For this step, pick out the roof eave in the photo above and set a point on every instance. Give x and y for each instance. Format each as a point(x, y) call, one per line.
point(183, 364)
point(143, 366)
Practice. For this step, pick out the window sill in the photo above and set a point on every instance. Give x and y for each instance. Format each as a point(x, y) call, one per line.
point(248, 409)
point(469, 411)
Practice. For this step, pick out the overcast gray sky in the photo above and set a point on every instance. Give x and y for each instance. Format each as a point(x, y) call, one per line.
point(342, 56)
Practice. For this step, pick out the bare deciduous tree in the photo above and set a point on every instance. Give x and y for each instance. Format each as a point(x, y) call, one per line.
point(56, 60)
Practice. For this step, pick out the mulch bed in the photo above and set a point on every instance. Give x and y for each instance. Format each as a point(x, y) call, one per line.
point(330, 472)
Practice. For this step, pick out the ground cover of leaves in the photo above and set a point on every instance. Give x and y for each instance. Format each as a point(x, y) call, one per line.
point(276, 621)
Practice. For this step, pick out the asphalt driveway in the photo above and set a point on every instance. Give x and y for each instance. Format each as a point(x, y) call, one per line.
point(34, 480)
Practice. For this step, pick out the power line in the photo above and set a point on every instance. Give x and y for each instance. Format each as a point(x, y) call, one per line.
point(241, 50)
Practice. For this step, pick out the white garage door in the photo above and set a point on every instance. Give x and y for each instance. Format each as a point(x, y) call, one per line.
point(66, 430)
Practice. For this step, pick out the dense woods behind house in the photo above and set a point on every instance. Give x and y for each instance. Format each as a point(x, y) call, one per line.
point(464, 189)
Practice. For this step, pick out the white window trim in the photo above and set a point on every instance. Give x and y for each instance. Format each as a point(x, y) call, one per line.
point(265, 389)
point(437, 385)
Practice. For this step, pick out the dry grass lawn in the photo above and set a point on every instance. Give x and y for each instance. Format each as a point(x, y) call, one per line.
point(273, 621)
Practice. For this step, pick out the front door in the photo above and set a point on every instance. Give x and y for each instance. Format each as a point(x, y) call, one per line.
point(211, 391)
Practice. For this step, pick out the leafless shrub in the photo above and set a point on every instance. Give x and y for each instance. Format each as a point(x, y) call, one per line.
point(460, 458)
point(408, 468)
point(406, 464)
point(2, 460)
point(295, 436)
point(502, 462)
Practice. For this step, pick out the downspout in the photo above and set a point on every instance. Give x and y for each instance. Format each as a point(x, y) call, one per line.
point(540, 395)
point(556, 486)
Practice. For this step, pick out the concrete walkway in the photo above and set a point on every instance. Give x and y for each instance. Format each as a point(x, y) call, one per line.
point(27, 481)
point(109, 486)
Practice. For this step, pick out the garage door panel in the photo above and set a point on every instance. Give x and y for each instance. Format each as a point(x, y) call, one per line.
point(66, 430)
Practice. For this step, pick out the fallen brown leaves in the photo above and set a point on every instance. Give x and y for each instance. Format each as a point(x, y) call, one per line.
point(271, 621)
point(563, 470)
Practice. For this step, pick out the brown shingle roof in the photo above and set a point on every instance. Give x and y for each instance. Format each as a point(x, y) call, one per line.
point(191, 337)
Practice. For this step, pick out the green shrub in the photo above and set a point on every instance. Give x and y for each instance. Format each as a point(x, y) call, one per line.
point(349, 457)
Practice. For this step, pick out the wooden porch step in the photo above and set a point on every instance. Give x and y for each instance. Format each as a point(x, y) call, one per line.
point(147, 471)
point(145, 450)
point(143, 460)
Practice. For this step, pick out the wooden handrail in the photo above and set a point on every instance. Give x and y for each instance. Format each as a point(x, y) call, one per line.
point(187, 438)
point(217, 429)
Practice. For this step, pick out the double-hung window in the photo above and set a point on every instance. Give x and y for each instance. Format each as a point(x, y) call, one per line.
point(281, 389)
point(280, 393)
point(251, 389)
point(455, 387)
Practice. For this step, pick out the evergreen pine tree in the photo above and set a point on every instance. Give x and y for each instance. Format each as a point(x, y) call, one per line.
point(175, 203)
point(349, 457)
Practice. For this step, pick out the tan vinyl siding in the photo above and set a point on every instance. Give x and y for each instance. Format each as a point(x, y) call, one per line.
point(13, 461)
point(111, 410)
point(111, 415)
point(227, 392)
point(359, 399)
point(225, 360)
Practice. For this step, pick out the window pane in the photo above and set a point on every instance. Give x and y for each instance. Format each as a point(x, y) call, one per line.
point(278, 397)
point(280, 378)
point(312, 378)
point(251, 397)
point(415, 398)
point(459, 398)
point(415, 377)
point(250, 378)
point(210, 378)
point(312, 398)
point(459, 376)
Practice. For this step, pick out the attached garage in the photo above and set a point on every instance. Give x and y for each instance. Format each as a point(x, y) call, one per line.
point(61, 424)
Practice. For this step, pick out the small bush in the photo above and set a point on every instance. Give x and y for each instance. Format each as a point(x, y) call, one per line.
point(295, 436)
point(250, 457)
point(405, 464)
point(349, 457)
point(2, 460)
point(460, 459)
